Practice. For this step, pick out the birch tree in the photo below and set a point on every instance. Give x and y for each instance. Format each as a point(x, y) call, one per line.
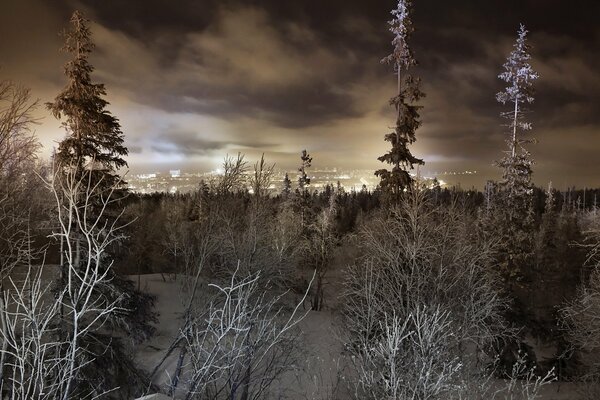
point(50, 333)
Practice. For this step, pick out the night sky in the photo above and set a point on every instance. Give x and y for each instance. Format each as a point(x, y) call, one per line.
point(193, 80)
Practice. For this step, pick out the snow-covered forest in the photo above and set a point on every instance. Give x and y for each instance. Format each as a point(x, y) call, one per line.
point(236, 291)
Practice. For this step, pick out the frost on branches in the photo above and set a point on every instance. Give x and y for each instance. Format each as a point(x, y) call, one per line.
point(519, 75)
point(399, 156)
point(515, 213)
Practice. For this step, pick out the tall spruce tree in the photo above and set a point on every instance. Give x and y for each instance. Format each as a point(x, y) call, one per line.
point(94, 140)
point(92, 152)
point(516, 222)
point(303, 179)
point(302, 197)
point(519, 75)
point(401, 159)
point(287, 186)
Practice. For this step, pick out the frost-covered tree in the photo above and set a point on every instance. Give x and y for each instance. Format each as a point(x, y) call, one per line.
point(399, 156)
point(94, 138)
point(242, 342)
point(321, 242)
point(91, 155)
point(54, 342)
point(519, 76)
point(516, 217)
point(21, 200)
point(581, 316)
point(419, 295)
point(232, 237)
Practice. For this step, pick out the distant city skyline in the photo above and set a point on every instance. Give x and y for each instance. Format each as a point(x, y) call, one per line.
point(195, 81)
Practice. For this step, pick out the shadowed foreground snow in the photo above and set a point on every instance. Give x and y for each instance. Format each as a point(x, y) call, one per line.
point(320, 371)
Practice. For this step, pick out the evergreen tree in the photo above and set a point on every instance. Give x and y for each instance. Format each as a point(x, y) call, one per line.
point(302, 199)
point(399, 156)
point(287, 186)
point(91, 153)
point(516, 188)
point(547, 236)
point(94, 139)
point(519, 75)
point(303, 179)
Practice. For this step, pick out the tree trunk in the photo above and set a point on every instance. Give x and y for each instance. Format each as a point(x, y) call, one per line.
point(3, 322)
point(177, 373)
point(246, 382)
point(317, 303)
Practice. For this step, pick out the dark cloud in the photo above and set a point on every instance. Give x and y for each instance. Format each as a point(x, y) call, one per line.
point(193, 144)
point(240, 65)
point(193, 80)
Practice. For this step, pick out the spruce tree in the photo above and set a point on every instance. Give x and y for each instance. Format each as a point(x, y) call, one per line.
point(287, 186)
point(302, 198)
point(516, 188)
point(303, 179)
point(94, 140)
point(92, 153)
point(519, 75)
point(400, 158)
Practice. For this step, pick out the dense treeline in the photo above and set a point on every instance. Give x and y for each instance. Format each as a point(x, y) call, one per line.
point(557, 264)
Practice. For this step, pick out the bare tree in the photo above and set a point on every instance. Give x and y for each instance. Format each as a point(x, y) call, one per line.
point(236, 239)
point(197, 247)
point(19, 198)
point(321, 242)
point(242, 343)
point(522, 382)
point(18, 148)
point(422, 304)
point(262, 177)
point(286, 232)
point(18, 143)
point(45, 336)
point(29, 313)
point(248, 228)
point(581, 317)
point(86, 235)
point(233, 177)
point(175, 233)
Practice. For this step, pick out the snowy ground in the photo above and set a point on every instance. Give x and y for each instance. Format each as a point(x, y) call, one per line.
point(319, 366)
point(320, 370)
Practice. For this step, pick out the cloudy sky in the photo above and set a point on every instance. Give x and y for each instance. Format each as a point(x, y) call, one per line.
point(194, 80)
